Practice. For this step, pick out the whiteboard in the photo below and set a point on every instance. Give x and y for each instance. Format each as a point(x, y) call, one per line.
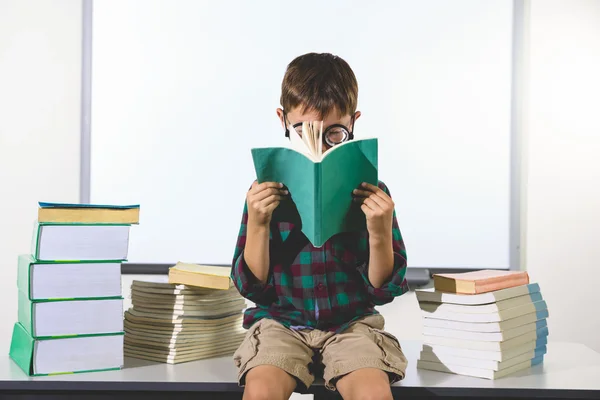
point(182, 90)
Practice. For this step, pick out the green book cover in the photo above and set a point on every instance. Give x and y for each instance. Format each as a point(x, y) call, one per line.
point(37, 233)
point(24, 273)
point(22, 352)
point(26, 312)
point(321, 191)
point(25, 265)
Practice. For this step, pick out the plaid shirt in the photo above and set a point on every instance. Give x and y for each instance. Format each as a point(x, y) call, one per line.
point(324, 288)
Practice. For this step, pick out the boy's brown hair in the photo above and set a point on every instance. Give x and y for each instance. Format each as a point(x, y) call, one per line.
point(319, 82)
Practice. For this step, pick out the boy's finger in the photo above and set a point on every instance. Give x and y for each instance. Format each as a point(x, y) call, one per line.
point(376, 201)
point(266, 185)
point(376, 190)
point(271, 199)
point(358, 200)
point(266, 193)
point(368, 186)
point(361, 193)
point(369, 202)
point(366, 210)
point(272, 207)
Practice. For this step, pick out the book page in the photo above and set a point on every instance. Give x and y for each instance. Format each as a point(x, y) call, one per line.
point(298, 144)
point(319, 138)
point(307, 137)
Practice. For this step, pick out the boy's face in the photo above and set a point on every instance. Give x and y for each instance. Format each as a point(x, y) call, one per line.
point(294, 116)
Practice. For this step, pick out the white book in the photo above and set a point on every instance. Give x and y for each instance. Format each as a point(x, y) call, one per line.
point(446, 359)
point(433, 296)
point(486, 336)
point(431, 311)
point(79, 242)
point(72, 317)
point(481, 345)
point(78, 354)
point(486, 326)
point(477, 372)
point(65, 355)
point(485, 308)
point(492, 355)
point(68, 280)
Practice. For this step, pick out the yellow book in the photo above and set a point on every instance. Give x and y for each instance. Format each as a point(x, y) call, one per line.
point(69, 213)
point(206, 276)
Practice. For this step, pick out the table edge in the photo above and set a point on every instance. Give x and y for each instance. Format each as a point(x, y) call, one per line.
point(33, 386)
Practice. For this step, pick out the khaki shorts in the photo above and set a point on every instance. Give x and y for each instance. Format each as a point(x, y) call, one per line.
point(306, 353)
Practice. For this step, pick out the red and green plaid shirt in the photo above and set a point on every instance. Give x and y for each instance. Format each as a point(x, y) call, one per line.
point(324, 288)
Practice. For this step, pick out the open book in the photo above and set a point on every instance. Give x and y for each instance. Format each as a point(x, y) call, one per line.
point(320, 184)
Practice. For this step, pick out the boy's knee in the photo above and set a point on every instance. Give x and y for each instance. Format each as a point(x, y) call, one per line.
point(375, 392)
point(260, 390)
point(379, 394)
point(367, 384)
point(268, 383)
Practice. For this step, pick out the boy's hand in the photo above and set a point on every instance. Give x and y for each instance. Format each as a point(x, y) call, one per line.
point(262, 200)
point(379, 210)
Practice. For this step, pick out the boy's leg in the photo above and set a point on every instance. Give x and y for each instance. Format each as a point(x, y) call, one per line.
point(272, 360)
point(365, 383)
point(363, 359)
point(268, 382)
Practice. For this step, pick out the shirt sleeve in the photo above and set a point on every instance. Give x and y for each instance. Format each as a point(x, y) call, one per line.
point(244, 280)
point(396, 285)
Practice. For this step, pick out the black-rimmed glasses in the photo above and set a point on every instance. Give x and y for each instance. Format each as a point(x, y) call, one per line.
point(332, 135)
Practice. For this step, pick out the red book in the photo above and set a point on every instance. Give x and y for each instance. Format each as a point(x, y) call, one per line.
point(482, 281)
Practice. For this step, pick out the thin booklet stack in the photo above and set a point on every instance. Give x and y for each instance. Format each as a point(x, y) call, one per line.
point(70, 304)
point(192, 314)
point(486, 324)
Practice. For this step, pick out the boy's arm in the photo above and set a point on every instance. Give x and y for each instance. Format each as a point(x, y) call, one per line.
point(384, 272)
point(250, 271)
point(259, 291)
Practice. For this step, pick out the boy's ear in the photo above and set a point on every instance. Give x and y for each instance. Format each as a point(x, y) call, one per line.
point(280, 115)
point(356, 116)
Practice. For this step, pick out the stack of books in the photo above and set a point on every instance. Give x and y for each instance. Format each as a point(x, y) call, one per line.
point(70, 305)
point(485, 324)
point(194, 313)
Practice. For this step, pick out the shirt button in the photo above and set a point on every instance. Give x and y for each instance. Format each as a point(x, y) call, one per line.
point(320, 286)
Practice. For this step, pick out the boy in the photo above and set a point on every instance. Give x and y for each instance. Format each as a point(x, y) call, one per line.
point(315, 306)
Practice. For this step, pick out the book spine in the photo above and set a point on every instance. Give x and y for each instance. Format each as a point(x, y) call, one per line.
point(25, 312)
point(318, 203)
point(21, 348)
point(24, 275)
point(35, 239)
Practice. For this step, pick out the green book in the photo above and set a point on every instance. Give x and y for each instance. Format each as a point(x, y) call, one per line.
point(320, 187)
point(50, 318)
point(65, 355)
point(42, 280)
point(80, 242)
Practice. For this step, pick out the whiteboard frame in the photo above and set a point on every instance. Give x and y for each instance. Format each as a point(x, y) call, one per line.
point(518, 75)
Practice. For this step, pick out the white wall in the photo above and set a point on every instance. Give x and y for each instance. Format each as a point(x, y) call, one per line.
point(40, 60)
point(40, 84)
point(563, 164)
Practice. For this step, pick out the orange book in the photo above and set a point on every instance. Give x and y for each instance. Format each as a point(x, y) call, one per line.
point(476, 282)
